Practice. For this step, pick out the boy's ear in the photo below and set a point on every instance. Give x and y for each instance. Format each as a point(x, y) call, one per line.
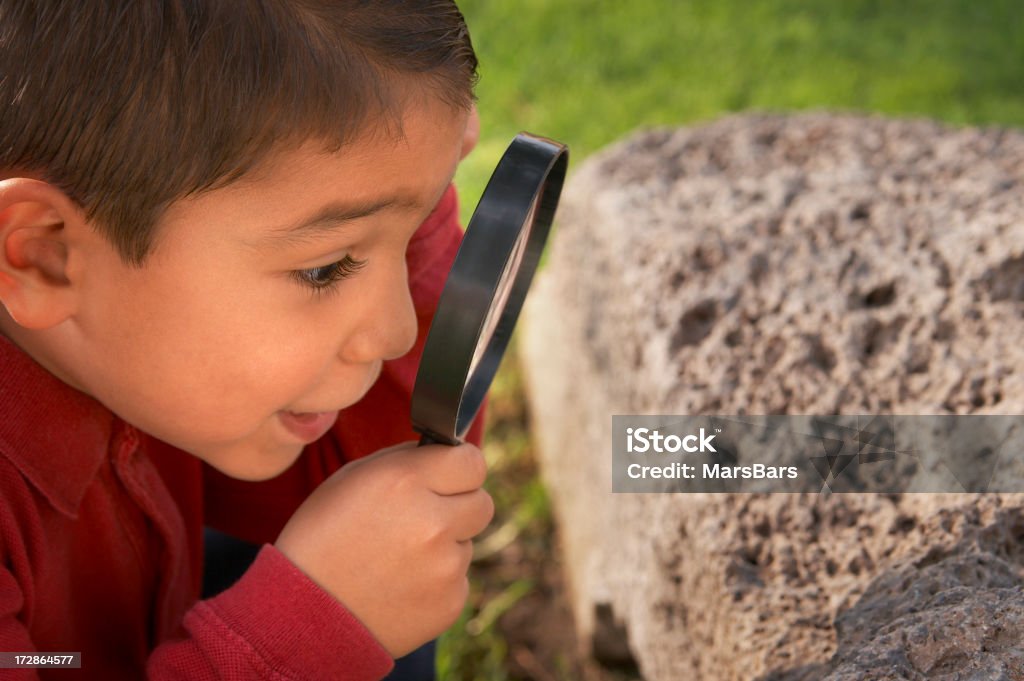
point(34, 243)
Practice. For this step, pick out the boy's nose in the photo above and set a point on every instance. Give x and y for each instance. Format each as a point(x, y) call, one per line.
point(389, 325)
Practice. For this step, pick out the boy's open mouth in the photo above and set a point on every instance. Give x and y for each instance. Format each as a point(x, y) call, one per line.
point(308, 426)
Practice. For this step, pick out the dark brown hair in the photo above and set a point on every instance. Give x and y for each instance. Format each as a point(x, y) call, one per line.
point(128, 105)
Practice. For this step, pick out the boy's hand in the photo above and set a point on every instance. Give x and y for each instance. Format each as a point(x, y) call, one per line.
point(389, 536)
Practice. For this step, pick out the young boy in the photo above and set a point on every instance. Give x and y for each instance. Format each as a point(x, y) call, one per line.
point(221, 223)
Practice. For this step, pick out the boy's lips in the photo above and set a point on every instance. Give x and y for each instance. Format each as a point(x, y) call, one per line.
point(309, 426)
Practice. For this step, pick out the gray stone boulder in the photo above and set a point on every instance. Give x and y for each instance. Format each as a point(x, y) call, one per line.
point(807, 264)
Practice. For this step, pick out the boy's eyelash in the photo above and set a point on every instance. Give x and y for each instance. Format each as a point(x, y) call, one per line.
point(325, 279)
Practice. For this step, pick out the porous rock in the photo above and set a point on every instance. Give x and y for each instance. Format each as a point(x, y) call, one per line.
point(805, 264)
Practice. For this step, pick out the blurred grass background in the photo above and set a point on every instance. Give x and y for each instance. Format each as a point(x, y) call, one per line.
point(587, 72)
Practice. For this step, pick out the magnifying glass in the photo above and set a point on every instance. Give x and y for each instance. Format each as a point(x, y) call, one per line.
point(486, 288)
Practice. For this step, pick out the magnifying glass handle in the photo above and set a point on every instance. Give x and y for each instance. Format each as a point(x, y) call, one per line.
point(426, 439)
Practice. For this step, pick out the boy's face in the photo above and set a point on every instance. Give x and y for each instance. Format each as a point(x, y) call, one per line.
point(217, 337)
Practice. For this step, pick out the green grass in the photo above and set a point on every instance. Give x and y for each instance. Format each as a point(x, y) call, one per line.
point(587, 72)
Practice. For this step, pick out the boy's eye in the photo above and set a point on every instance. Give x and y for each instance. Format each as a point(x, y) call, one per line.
point(323, 279)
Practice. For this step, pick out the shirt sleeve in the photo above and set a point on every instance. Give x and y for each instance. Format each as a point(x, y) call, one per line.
point(273, 623)
point(257, 511)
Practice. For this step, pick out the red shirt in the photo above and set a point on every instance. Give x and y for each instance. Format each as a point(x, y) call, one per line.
point(101, 528)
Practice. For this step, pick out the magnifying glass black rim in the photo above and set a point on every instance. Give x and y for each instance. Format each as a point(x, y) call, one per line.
point(446, 398)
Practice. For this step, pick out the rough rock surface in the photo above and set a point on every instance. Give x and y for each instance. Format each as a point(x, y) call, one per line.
point(808, 264)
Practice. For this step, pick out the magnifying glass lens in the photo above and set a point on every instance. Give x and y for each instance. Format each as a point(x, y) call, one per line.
point(505, 283)
point(486, 287)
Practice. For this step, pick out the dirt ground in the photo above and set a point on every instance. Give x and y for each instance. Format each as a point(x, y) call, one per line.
point(521, 550)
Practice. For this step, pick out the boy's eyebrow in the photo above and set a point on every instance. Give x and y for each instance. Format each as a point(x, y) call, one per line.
point(330, 218)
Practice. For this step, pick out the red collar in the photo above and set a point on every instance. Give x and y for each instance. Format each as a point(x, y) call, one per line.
point(54, 434)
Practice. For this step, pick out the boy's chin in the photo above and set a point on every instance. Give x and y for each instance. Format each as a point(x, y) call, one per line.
point(259, 468)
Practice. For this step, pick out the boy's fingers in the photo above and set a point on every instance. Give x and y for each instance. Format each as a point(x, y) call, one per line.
point(451, 470)
point(472, 512)
point(466, 555)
